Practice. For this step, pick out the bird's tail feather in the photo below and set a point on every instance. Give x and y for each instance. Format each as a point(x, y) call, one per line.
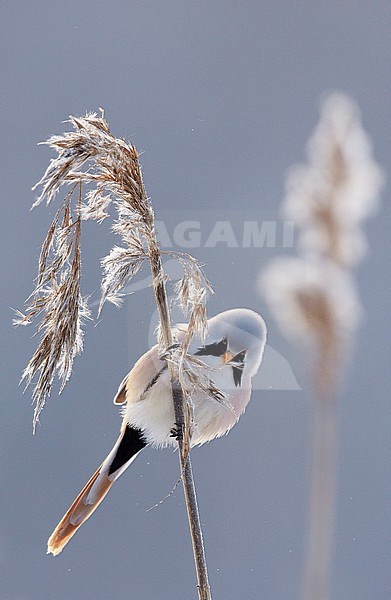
point(127, 447)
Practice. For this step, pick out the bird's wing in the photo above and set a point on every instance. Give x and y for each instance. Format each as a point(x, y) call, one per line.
point(134, 384)
point(125, 450)
point(120, 397)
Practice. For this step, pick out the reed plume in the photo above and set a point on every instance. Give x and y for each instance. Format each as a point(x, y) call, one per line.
point(91, 156)
point(314, 297)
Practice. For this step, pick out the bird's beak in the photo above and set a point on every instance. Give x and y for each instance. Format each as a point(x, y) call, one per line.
point(227, 357)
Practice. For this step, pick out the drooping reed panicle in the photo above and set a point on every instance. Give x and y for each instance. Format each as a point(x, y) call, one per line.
point(57, 298)
point(91, 155)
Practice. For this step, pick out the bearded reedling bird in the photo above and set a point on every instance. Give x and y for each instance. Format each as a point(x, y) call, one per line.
point(232, 351)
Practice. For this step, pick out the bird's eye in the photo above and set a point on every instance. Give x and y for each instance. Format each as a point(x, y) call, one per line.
point(215, 349)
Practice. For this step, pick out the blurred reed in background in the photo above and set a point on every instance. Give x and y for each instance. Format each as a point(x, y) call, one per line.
point(314, 298)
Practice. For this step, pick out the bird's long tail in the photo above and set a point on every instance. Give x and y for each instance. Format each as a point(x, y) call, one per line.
point(125, 450)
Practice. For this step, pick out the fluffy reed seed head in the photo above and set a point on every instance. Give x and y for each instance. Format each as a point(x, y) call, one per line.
point(313, 296)
point(338, 188)
point(110, 166)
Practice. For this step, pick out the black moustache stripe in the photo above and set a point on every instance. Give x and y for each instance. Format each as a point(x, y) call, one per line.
point(238, 367)
point(215, 349)
point(238, 374)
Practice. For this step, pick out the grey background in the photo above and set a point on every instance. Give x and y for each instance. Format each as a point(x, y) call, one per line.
point(221, 96)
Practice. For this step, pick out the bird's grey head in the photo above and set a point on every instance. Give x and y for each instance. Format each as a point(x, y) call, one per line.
point(237, 337)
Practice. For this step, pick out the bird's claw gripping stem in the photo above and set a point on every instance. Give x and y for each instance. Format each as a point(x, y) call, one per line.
point(177, 431)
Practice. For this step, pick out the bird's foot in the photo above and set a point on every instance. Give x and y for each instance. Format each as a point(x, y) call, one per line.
point(177, 431)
